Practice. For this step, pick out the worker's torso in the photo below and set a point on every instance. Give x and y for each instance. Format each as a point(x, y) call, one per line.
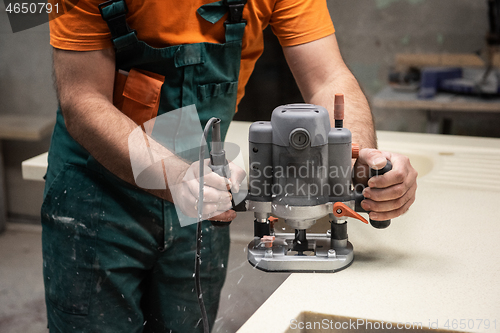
point(152, 82)
point(169, 22)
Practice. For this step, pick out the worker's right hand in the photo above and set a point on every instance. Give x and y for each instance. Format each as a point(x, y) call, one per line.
point(390, 195)
point(216, 198)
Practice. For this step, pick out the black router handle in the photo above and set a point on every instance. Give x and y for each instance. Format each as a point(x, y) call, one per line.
point(388, 167)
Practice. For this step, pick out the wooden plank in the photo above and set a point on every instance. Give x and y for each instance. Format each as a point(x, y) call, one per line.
point(389, 98)
point(443, 60)
point(25, 127)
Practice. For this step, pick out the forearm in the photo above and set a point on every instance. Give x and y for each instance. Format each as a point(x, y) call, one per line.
point(320, 73)
point(358, 117)
point(109, 137)
point(85, 95)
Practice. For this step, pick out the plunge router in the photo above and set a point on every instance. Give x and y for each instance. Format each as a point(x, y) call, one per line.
point(300, 171)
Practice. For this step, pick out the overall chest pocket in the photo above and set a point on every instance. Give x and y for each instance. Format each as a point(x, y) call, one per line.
point(214, 90)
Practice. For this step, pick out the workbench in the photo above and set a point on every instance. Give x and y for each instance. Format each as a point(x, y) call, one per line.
point(388, 98)
point(24, 128)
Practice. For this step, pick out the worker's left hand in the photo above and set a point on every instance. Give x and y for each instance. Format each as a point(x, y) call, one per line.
point(216, 199)
point(389, 195)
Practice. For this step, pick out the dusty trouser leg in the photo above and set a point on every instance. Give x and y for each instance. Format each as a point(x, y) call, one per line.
point(98, 245)
point(170, 302)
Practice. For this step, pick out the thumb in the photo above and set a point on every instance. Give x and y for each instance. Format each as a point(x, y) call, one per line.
point(374, 158)
point(237, 176)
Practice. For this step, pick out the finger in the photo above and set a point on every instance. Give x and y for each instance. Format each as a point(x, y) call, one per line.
point(210, 194)
point(374, 158)
point(366, 160)
point(226, 216)
point(212, 209)
point(391, 205)
point(210, 178)
point(214, 180)
point(400, 171)
point(390, 193)
point(392, 214)
point(237, 176)
point(361, 173)
point(236, 187)
point(189, 206)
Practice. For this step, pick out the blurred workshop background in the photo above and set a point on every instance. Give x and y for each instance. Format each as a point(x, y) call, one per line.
point(379, 40)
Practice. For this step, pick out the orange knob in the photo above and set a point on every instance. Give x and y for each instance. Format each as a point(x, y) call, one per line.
point(338, 107)
point(355, 150)
point(340, 209)
point(272, 220)
point(338, 110)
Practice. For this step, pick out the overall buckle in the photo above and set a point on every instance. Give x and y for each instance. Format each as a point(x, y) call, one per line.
point(235, 11)
point(117, 23)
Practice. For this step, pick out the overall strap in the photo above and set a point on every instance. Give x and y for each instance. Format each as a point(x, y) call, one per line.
point(235, 24)
point(114, 12)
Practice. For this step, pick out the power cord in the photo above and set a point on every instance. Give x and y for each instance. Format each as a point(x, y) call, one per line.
point(197, 264)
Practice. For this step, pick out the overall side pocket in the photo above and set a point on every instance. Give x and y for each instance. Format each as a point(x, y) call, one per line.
point(140, 98)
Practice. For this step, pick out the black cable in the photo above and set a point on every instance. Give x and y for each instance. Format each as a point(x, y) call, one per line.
point(197, 263)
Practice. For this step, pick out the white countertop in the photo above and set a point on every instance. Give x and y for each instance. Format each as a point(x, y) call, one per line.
point(35, 167)
point(438, 262)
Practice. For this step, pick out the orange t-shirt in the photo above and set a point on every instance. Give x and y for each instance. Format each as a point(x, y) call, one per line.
point(162, 23)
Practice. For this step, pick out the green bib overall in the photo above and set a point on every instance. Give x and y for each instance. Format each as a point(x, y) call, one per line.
point(115, 257)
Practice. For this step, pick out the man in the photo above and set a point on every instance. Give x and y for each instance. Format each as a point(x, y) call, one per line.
point(115, 256)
